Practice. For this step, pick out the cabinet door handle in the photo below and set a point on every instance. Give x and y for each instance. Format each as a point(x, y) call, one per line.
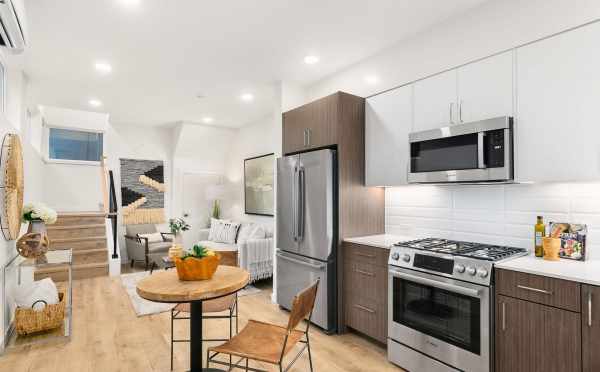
point(504, 316)
point(460, 111)
point(589, 309)
point(364, 309)
point(304, 135)
point(364, 272)
point(308, 136)
point(537, 290)
point(365, 255)
point(451, 107)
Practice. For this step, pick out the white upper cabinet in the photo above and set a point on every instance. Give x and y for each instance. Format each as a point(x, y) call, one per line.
point(388, 122)
point(435, 101)
point(485, 88)
point(558, 108)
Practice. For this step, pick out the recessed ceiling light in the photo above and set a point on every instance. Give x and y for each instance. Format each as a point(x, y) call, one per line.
point(130, 2)
point(247, 97)
point(103, 67)
point(95, 102)
point(207, 119)
point(371, 79)
point(311, 60)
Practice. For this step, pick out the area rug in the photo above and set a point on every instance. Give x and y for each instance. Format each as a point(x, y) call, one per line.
point(144, 307)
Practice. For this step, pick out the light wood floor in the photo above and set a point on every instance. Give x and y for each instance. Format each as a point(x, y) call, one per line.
point(107, 336)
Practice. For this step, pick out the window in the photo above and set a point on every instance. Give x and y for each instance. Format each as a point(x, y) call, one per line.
point(68, 144)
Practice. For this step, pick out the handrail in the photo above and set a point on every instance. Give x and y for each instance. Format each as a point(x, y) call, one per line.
point(113, 212)
point(103, 176)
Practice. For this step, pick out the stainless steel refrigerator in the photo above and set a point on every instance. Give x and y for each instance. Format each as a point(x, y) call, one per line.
point(307, 231)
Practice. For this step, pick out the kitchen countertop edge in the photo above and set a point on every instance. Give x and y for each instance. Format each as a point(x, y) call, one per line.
point(585, 272)
point(384, 241)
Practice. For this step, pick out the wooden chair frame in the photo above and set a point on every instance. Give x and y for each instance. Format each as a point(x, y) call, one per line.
point(167, 237)
point(233, 313)
point(305, 341)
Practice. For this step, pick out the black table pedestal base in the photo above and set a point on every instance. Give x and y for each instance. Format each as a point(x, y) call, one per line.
point(196, 353)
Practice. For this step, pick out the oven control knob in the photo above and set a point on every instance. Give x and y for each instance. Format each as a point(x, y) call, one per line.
point(395, 256)
point(482, 273)
point(406, 257)
point(471, 271)
point(460, 268)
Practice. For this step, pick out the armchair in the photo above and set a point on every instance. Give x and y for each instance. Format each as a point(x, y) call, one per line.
point(139, 247)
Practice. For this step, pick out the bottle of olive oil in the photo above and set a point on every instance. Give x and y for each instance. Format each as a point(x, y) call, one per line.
point(540, 232)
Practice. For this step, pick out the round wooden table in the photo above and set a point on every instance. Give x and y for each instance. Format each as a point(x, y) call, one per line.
point(165, 286)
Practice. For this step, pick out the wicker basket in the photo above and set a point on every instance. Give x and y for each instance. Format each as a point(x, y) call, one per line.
point(197, 268)
point(50, 317)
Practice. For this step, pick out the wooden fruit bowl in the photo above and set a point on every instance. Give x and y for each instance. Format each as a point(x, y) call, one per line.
point(197, 268)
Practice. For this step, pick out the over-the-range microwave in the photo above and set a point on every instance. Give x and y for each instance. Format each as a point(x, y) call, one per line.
point(480, 151)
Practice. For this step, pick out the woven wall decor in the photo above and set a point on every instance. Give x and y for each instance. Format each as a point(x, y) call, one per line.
point(142, 191)
point(12, 185)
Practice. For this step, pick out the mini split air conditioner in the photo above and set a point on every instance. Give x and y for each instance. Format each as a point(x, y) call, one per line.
point(12, 25)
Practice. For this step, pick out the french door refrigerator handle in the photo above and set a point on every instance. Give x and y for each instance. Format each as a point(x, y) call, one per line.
point(295, 204)
point(316, 267)
point(301, 202)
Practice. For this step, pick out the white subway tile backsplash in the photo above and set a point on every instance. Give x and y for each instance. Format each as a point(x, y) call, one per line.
point(503, 214)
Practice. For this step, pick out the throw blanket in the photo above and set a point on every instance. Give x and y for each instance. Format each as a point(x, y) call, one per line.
point(256, 256)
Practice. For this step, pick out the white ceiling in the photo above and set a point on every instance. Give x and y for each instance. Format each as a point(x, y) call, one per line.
point(166, 52)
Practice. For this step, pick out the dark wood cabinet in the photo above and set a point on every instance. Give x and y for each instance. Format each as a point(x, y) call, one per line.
point(313, 125)
point(531, 336)
point(590, 328)
point(338, 122)
point(365, 290)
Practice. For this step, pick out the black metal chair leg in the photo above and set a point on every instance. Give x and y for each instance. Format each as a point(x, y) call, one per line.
point(246, 364)
point(309, 355)
point(132, 262)
point(172, 339)
point(207, 359)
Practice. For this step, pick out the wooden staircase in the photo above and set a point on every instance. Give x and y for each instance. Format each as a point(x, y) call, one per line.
point(85, 234)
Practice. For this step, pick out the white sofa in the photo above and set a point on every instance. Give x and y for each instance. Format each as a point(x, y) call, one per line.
point(254, 255)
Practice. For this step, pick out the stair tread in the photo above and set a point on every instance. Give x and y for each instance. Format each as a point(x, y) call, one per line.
point(71, 227)
point(77, 239)
point(81, 214)
point(92, 250)
point(93, 265)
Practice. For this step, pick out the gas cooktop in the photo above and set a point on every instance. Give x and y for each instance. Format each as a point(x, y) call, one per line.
point(466, 261)
point(479, 251)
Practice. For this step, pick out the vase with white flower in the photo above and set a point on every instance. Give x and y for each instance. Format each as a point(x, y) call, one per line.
point(177, 227)
point(35, 242)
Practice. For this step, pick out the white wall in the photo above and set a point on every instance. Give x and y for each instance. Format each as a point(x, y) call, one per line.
point(15, 120)
point(255, 139)
point(492, 214)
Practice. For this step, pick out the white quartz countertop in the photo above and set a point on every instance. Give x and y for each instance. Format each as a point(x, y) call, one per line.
point(587, 272)
point(380, 241)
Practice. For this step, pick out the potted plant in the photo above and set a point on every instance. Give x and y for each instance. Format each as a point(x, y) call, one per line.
point(35, 242)
point(177, 227)
point(198, 264)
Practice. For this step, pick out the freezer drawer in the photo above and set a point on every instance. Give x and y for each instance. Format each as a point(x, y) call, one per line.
point(294, 273)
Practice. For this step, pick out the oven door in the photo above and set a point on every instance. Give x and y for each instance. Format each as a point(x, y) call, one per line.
point(446, 319)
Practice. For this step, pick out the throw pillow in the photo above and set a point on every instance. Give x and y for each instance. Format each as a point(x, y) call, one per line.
point(258, 233)
point(245, 231)
point(215, 228)
point(227, 233)
point(152, 237)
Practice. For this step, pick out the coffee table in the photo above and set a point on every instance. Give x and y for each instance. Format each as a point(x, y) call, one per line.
point(165, 286)
point(160, 260)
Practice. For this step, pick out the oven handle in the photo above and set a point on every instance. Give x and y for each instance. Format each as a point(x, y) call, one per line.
point(434, 283)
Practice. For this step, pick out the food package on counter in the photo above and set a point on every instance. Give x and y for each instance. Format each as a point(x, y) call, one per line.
point(572, 239)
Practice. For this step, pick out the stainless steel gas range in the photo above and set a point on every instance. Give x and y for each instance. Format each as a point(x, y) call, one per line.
point(440, 304)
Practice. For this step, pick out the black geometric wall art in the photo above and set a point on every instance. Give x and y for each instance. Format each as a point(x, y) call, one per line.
point(142, 191)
